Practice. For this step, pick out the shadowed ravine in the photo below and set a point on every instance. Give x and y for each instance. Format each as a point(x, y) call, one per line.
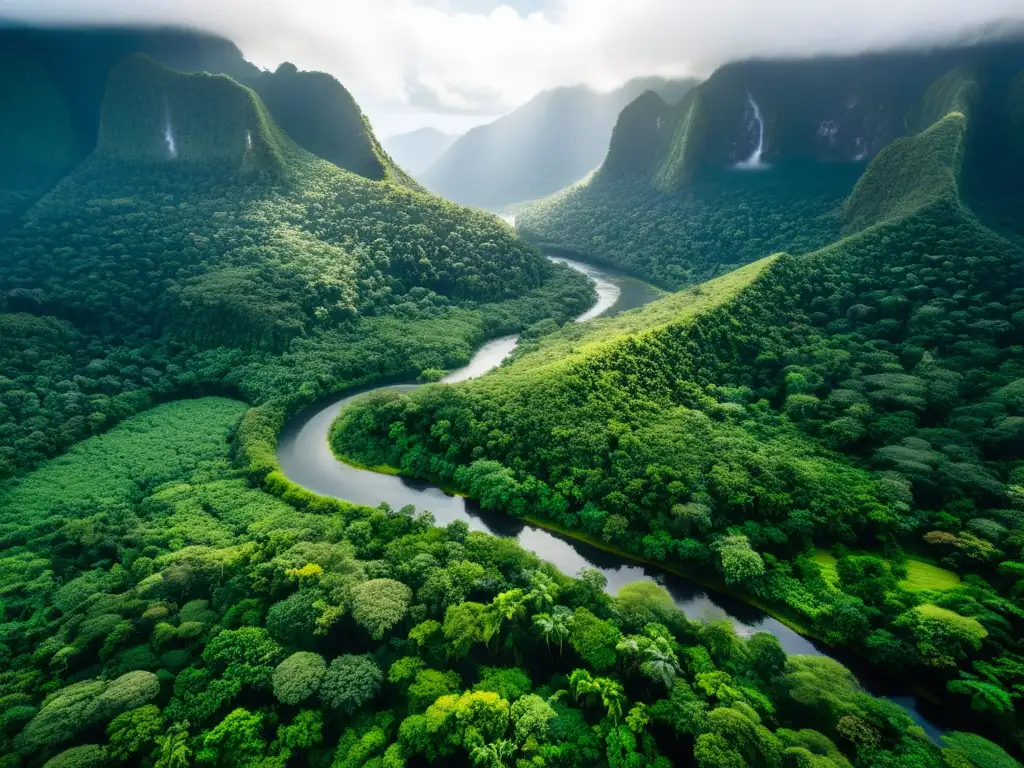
point(306, 458)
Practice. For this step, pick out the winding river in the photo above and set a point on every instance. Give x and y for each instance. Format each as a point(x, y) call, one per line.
point(306, 458)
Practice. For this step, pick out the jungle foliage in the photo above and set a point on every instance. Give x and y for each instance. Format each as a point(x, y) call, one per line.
point(159, 611)
point(863, 398)
point(238, 262)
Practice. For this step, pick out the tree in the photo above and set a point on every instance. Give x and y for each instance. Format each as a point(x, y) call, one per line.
point(740, 563)
point(463, 626)
point(298, 677)
point(247, 655)
point(129, 691)
point(593, 639)
point(134, 730)
point(942, 636)
point(593, 689)
point(968, 750)
point(293, 619)
point(236, 741)
point(350, 682)
point(543, 591)
point(766, 655)
point(429, 686)
point(531, 719)
point(493, 754)
point(746, 735)
point(713, 751)
point(305, 731)
point(469, 720)
point(380, 604)
point(62, 715)
point(508, 682)
point(660, 663)
point(643, 602)
point(554, 626)
point(87, 756)
point(173, 750)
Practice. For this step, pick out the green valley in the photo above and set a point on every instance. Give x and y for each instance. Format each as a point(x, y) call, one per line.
point(211, 273)
point(858, 399)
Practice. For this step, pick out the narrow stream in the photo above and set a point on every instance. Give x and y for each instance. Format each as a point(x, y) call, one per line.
point(306, 458)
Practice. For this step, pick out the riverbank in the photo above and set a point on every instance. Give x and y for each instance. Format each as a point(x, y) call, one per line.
point(307, 458)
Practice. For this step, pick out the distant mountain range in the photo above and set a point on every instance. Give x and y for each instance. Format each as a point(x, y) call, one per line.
point(417, 150)
point(556, 138)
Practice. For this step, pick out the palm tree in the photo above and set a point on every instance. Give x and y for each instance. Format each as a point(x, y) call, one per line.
point(173, 746)
point(612, 696)
point(660, 664)
point(609, 691)
point(508, 606)
point(543, 591)
point(493, 755)
point(554, 626)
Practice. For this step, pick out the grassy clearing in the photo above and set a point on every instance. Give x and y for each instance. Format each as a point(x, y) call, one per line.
point(828, 565)
point(921, 576)
point(925, 576)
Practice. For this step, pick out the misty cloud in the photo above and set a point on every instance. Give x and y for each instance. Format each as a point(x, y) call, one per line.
point(475, 56)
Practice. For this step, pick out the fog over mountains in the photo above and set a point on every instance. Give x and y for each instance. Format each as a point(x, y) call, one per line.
point(556, 138)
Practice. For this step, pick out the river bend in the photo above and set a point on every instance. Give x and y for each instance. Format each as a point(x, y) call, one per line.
point(305, 455)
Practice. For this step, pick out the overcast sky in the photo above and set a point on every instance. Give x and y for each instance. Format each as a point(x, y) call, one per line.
point(455, 63)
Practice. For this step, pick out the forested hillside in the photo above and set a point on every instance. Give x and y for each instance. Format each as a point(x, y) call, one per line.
point(556, 138)
point(756, 159)
point(821, 431)
point(199, 246)
point(53, 83)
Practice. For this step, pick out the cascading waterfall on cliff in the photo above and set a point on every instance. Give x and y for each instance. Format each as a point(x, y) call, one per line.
point(754, 162)
point(172, 147)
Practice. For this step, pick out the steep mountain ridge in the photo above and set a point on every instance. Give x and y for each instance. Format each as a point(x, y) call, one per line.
point(72, 67)
point(761, 146)
point(154, 115)
point(321, 116)
point(554, 139)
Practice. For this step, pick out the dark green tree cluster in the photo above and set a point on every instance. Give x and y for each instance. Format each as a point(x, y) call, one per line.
point(159, 611)
point(865, 399)
point(721, 221)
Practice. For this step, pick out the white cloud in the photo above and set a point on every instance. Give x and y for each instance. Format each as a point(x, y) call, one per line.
point(410, 55)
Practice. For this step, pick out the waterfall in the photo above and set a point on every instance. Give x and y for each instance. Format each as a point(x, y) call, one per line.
point(754, 162)
point(172, 148)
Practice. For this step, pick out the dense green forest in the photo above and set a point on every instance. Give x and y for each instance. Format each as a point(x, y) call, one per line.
point(835, 434)
point(707, 230)
point(236, 262)
point(160, 611)
point(839, 435)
